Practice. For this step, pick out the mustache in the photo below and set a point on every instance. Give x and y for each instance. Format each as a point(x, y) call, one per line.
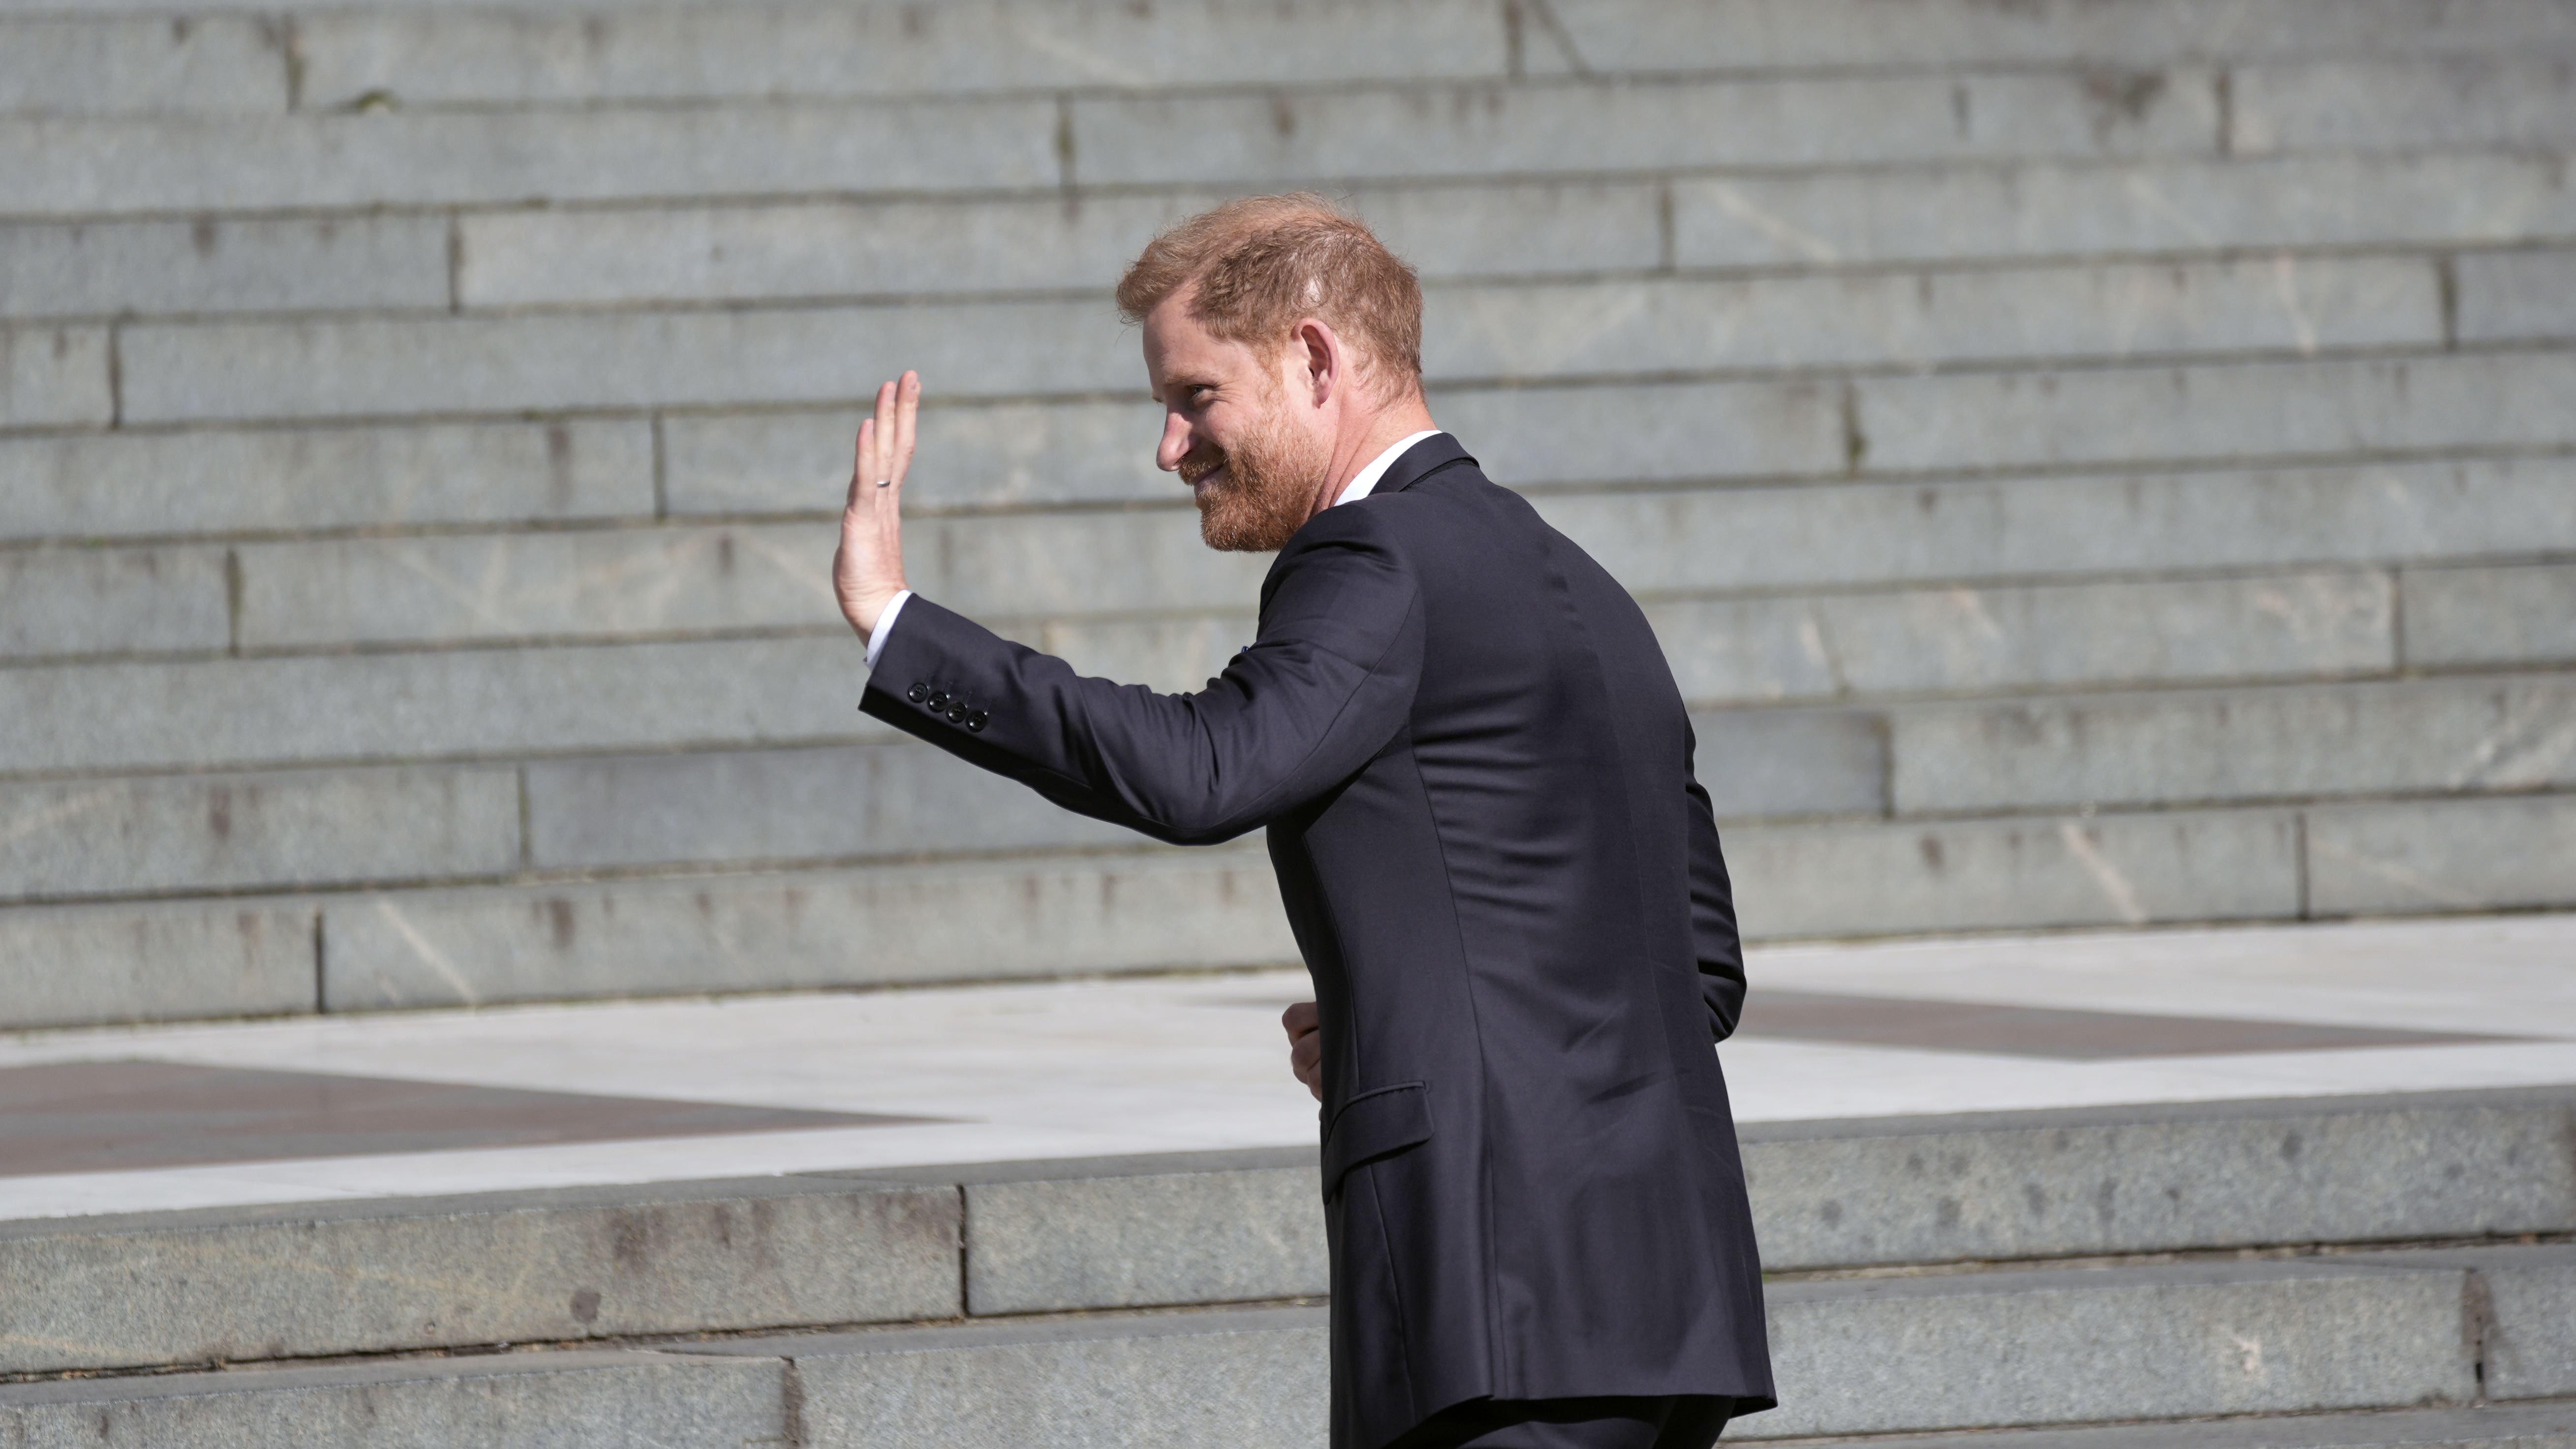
point(1198, 464)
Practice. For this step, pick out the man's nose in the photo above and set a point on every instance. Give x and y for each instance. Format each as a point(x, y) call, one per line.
point(1176, 443)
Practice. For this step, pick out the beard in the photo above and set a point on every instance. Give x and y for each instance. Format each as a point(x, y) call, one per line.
point(1267, 493)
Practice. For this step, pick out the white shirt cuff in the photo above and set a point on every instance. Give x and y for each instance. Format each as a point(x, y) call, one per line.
point(885, 625)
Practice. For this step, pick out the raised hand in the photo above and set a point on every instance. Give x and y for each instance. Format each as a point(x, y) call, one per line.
point(868, 571)
point(1305, 1028)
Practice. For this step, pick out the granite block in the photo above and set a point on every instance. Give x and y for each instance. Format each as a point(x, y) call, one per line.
point(68, 601)
point(260, 830)
point(2222, 413)
point(2147, 1179)
point(2172, 205)
point(1106, 1383)
point(2441, 855)
point(690, 53)
point(1634, 125)
point(2464, 736)
point(105, 65)
point(54, 377)
point(578, 1400)
point(127, 483)
point(2514, 98)
point(2490, 616)
point(987, 920)
point(222, 264)
point(91, 965)
point(318, 708)
point(234, 1284)
point(2014, 874)
point(389, 157)
point(2005, 637)
point(2078, 1345)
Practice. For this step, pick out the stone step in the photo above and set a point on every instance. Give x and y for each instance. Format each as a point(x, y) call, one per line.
point(343, 262)
point(638, 256)
point(1676, 35)
point(1606, 35)
point(245, 371)
point(344, 1277)
point(2367, 105)
point(1001, 457)
point(1087, 1235)
point(1089, 911)
point(98, 166)
point(57, 377)
point(2499, 732)
point(2549, 1424)
point(1855, 1356)
point(131, 484)
point(251, 830)
point(696, 53)
point(2171, 1341)
point(551, 53)
point(503, 702)
point(108, 165)
point(1669, 542)
point(2110, 868)
point(1128, 1387)
point(283, 829)
point(1999, 751)
point(984, 457)
point(178, 961)
point(808, 250)
point(594, 1399)
point(2182, 205)
point(1787, 644)
point(204, 64)
point(2181, 1340)
point(1171, 613)
point(991, 919)
point(700, 53)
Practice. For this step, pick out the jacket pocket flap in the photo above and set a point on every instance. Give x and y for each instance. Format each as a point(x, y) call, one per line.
point(1374, 1124)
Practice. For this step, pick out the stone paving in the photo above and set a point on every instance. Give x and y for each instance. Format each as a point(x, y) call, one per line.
point(131, 1119)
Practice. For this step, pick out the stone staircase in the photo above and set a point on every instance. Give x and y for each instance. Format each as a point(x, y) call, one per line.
point(2268, 1275)
point(2091, 461)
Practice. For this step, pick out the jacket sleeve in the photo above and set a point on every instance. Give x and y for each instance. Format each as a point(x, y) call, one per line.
point(1714, 941)
point(1327, 683)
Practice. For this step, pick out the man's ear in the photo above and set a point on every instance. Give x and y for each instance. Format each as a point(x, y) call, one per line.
point(1323, 356)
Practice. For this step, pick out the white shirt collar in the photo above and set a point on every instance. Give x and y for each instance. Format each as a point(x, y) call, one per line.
point(1366, 479)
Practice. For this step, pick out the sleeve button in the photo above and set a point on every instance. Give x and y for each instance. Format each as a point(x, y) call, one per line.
point(938, 700)
point(975, 720)
point(956, 714)
point(917, 693)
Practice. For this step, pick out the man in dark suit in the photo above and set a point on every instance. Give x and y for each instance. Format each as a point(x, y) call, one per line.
point(1476, 775)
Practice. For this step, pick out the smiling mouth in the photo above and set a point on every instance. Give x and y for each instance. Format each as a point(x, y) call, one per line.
point(1200, 475)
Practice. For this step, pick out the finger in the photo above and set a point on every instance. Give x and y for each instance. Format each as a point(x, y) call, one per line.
point(865, 449)
point(883, 462)
point(907, 413)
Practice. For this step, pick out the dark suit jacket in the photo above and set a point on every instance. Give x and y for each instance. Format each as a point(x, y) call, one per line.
point(1476, 773)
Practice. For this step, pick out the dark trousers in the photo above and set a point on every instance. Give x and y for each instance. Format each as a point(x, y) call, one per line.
point(1683, 1421)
